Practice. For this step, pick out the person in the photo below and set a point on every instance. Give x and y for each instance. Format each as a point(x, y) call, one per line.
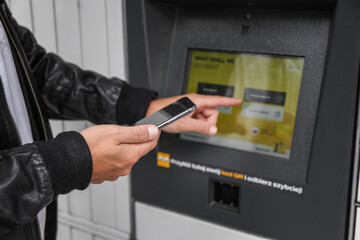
point(34, 167)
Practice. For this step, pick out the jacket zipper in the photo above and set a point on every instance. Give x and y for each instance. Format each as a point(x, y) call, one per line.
point(6, 105)
point(27, 75)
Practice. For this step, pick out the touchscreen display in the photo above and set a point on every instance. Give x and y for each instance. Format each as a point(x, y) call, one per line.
point(269, 86)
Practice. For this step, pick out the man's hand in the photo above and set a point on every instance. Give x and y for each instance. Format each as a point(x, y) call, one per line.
point(114, 149)
point(203, 120)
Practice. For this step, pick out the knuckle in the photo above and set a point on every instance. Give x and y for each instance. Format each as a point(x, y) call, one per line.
point(153, 144)
point(120, 165)
point(192, 95)
point(114, 178)
point(121, 170)
point(129, 159)
point(203, 127)
point(134, 156)
point(125, 171)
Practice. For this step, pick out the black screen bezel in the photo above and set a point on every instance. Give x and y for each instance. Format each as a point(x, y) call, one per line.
point(289, 43)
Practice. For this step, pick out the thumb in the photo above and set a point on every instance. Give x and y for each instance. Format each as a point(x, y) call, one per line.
point(138, 134)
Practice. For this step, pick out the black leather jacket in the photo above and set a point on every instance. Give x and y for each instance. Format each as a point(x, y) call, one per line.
point(32, 175)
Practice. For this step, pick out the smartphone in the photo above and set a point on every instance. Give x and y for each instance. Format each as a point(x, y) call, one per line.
point(169, 114)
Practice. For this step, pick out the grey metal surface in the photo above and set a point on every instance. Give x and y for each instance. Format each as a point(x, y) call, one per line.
point(161, 224)
point(324, 140)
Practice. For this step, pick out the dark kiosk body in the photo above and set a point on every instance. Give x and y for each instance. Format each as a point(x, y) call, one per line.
point(284, 164)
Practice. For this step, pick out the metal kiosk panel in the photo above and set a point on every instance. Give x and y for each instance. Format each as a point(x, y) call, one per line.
point(291, 197)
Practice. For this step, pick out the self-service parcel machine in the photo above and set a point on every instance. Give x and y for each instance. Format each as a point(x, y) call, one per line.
point(284, 164)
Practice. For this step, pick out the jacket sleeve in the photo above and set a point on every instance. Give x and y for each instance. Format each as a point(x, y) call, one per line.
point(72, 93)
point(31, 176)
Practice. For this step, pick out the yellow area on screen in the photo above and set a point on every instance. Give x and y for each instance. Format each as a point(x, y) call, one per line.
point(269, 86)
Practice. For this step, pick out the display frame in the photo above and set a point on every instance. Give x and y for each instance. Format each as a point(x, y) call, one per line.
point(292, 170)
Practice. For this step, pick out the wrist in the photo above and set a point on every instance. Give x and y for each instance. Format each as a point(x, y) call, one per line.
point(68, 160)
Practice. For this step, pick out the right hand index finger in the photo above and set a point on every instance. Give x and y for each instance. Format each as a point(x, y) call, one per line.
point(211, 101)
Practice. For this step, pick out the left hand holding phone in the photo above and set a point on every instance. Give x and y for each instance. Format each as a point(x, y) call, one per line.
point(115, 149)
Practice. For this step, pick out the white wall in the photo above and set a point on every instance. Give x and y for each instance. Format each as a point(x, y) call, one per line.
point(88, 33)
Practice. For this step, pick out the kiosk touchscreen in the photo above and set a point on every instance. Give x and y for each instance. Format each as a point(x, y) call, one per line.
point(269, 86)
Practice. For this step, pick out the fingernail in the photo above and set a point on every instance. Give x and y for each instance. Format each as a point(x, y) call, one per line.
point(153, 132)
point(213, 130)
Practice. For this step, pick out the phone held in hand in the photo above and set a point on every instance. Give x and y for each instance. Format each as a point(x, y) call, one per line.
point(169, 114)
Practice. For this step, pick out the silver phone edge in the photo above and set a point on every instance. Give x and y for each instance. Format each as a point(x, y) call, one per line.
point(173, 119)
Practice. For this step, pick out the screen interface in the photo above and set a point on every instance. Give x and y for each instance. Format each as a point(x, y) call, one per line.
point(269, 87)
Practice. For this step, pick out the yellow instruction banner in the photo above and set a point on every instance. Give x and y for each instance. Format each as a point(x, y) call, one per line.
point(269, 86)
